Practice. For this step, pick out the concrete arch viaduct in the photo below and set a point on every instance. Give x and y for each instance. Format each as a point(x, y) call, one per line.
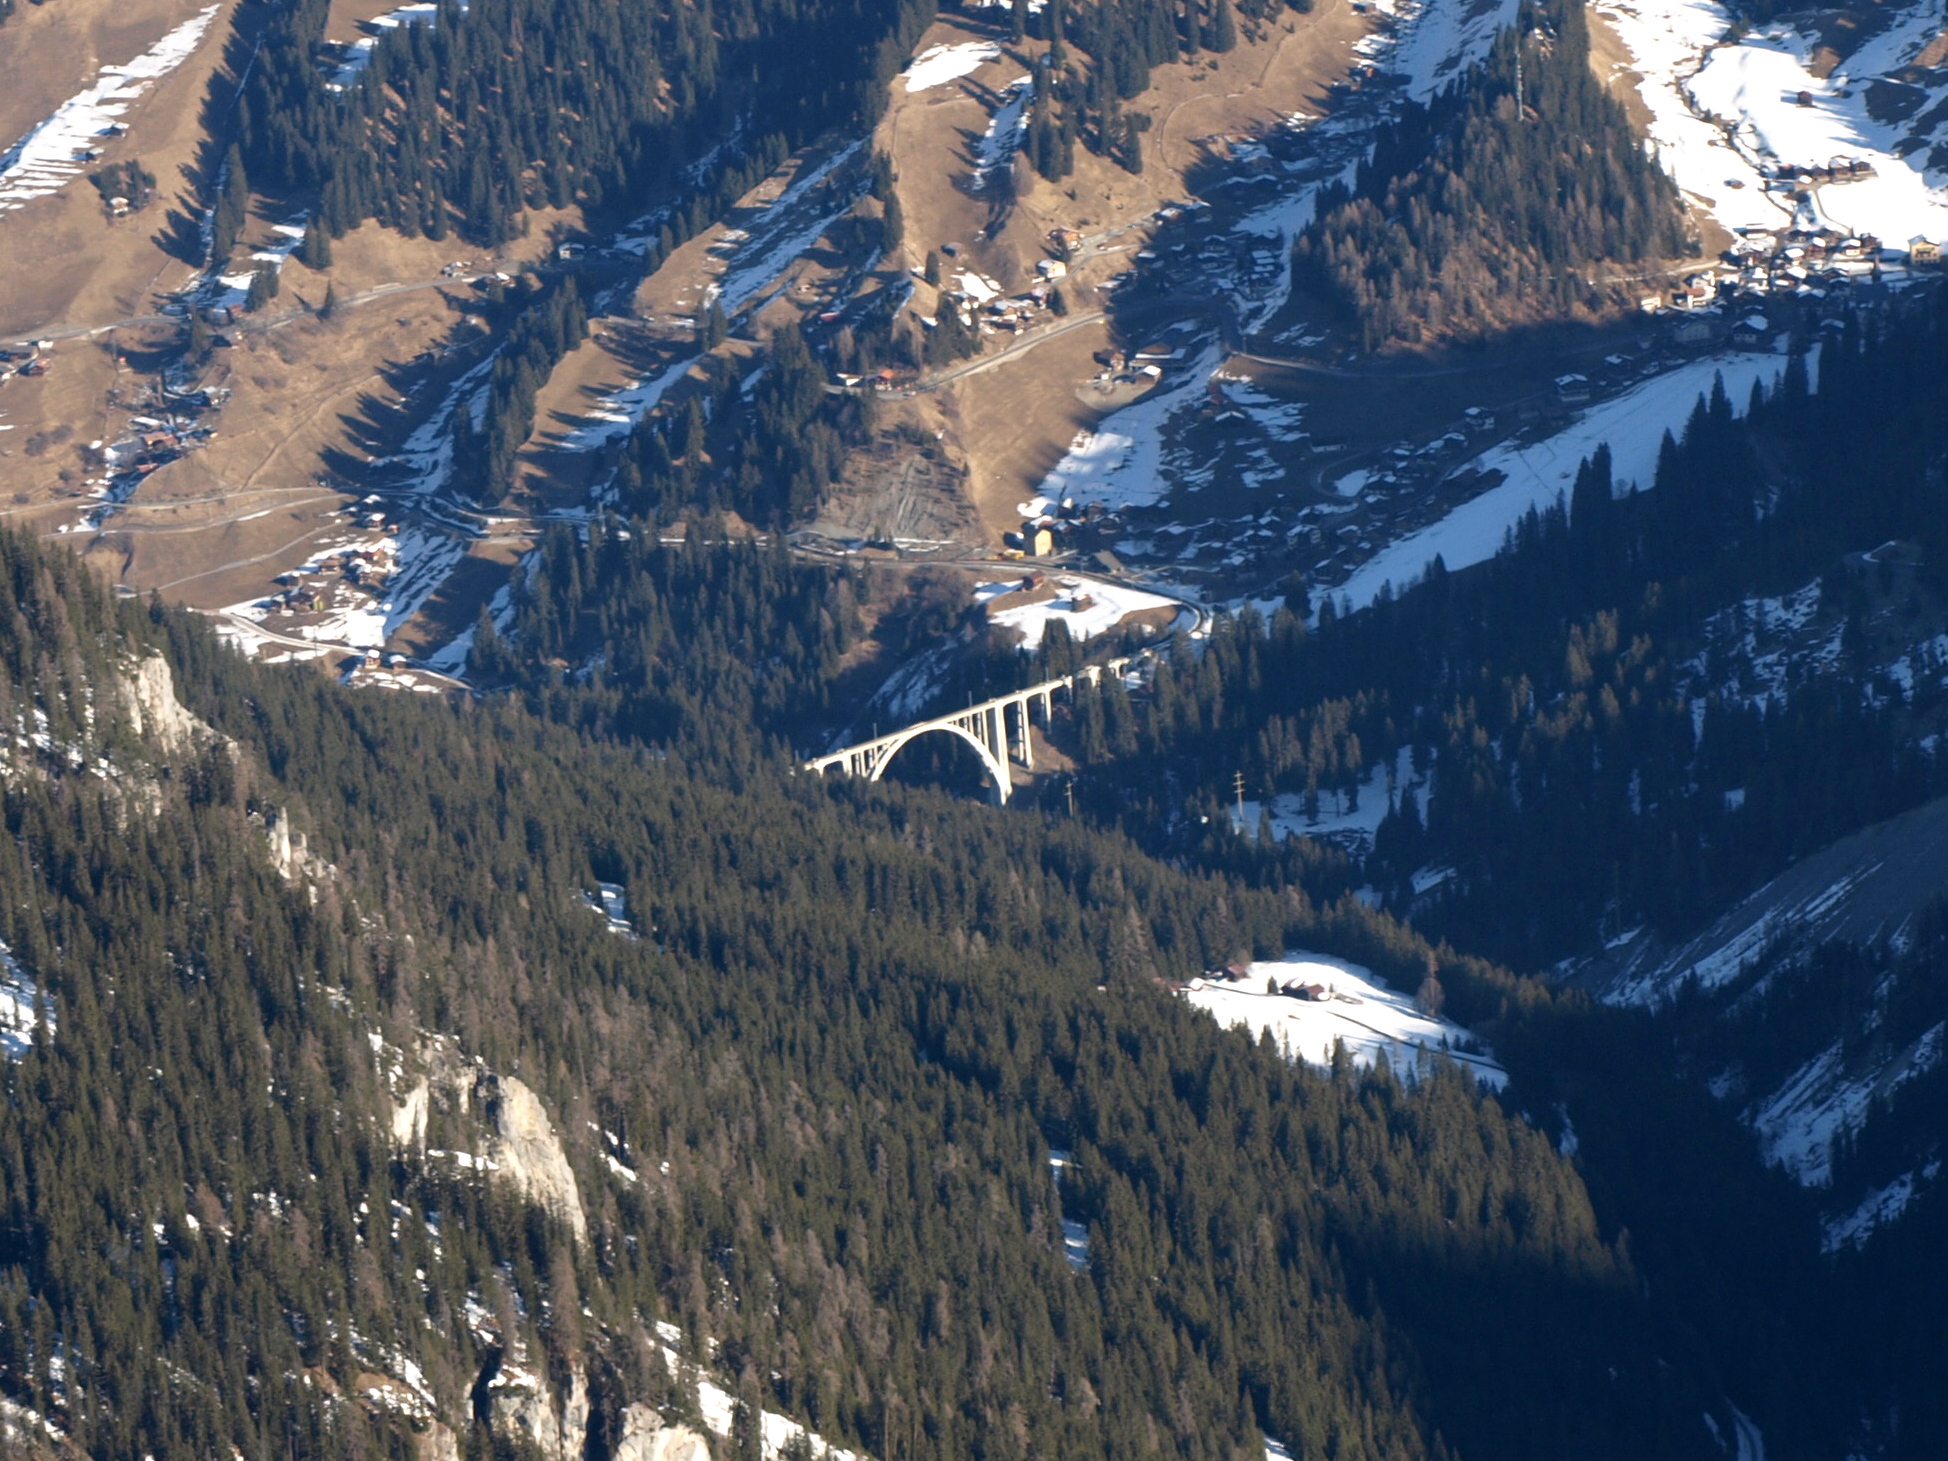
point(997, 729)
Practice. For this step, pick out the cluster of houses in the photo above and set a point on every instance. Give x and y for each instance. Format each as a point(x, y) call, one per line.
point(344, 579)
point(171, 429)
point(985, 308)
point(1066, 527)
point(34, 360)
point(1311, 991)
point(1795, 259)
point(1790, 177)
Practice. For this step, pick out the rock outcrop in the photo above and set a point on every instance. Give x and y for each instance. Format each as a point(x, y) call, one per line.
point(520, 1405)
point(158, 717)
point(513, 1139)
point(646, 1438)
point(524, 1147)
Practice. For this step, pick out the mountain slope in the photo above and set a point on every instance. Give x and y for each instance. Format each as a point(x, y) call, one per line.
point(803, 1115)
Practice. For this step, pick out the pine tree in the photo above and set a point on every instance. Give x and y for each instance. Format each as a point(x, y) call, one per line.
point(314, 249)
point(262, 287)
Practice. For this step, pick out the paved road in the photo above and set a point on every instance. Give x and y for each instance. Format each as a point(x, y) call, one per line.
point(255, 324)
point(258, 631)
point(263, 320)
point(1020, 347)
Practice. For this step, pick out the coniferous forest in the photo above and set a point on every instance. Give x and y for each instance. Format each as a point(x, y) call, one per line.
point(1513, 196)
point(852, 1027)
point(429, 1077)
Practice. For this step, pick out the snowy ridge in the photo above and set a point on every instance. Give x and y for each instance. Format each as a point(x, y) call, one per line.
point(57, 149)
point(787, 230)
point(1444, 38)
point(1866, 888)
point(1374, 1023)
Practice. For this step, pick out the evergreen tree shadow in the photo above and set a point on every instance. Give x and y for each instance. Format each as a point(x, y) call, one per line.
point(378, 423)
point(181, 235)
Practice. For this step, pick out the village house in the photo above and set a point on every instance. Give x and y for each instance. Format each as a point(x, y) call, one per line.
point(1751, 333)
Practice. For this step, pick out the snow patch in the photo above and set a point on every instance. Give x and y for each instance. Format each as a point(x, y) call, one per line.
point(1878, 1208)
point(23, 1009)
point(1003, 137)
point(938, 65)
point(58, 148)
point(1123, 462)
point(1800, 1122)
point(609, 901)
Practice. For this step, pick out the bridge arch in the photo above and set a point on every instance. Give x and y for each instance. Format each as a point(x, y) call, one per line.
point(997, 772)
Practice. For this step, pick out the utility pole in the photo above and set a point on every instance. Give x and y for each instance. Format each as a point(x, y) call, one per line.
point(1238, 790)
point(1070, 790)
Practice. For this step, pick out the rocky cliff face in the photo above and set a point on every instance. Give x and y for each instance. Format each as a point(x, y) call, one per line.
point(156, 715)
point(522, 1146)
point(514, 1140)
point(646, 1438)
point(518, 1403)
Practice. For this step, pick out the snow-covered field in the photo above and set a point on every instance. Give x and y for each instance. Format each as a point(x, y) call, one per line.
point(1372, 1021)
point(55, 151)
point(1088, 607)
point(938, 65)
point(1122, 462)
point(1719, 114)
point(1633, 424)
